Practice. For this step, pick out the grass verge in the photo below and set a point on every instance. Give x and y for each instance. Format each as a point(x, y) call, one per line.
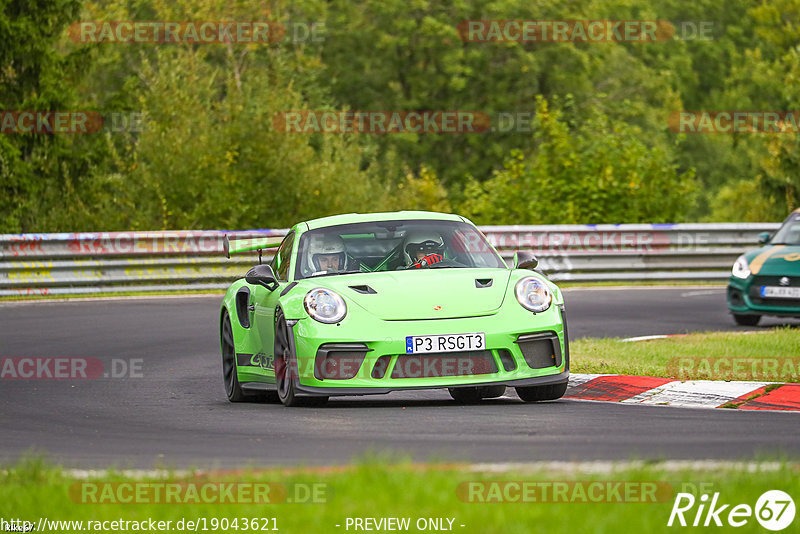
point(32, 490)
point(770, 356)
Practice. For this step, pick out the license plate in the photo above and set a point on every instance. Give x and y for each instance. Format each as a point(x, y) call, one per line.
point(445, 343)
point(780, 292)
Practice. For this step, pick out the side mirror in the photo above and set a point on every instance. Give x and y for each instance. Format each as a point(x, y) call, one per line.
point(525, 259)
point(262, 275)
point(763, 238)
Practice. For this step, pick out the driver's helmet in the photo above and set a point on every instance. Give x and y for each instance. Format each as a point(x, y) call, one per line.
point(322, 248)
point(424, 241)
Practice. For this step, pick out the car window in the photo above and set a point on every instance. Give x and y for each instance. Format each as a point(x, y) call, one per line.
point(789, 233)
point(393, 246)
point(280, 263)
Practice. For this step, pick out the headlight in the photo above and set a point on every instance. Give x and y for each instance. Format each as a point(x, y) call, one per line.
point(740, 268)
point(533, 294)
point(325, 306)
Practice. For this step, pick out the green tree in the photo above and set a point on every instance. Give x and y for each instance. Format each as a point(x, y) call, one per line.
point(600, 172)
point(36, 170)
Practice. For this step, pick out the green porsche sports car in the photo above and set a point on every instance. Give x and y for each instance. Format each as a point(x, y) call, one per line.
point(360, 304)
point(766, 281)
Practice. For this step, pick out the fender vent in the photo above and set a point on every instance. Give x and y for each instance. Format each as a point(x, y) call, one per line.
point(242, 303)
point(364, 290)
point(483, 282)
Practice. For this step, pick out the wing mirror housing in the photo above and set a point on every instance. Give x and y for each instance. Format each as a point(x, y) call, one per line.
point(262, 275)
point(763, 238)
point(525, 259)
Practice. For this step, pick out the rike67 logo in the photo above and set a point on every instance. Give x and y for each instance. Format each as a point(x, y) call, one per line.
point(774, 510)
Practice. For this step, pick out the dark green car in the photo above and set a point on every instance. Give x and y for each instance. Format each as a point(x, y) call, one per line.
point(766, 281)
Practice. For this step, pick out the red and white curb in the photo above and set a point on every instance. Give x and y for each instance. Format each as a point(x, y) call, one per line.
point(687, 393)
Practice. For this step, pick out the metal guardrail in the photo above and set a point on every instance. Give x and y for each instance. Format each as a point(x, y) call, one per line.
point(76, 263)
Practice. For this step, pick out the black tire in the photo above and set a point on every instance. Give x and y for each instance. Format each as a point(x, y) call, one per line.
point(474, 395)
point(542, 393)
point(465, 395)
point(286, 369)
point(230, 376)
point(746, 320)
point(492, 392)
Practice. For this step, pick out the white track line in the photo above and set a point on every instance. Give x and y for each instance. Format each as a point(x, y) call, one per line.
point(609, 467)
point(701, 293)
point(588, 467)
point(645, 338)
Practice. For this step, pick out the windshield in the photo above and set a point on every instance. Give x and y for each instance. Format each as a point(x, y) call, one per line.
point(393, 246)
point(789, 233)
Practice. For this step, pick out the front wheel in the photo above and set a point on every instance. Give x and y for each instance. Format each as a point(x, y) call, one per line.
point(233, 388)
point(286, 368)
point(746, 320)
point(541, 393)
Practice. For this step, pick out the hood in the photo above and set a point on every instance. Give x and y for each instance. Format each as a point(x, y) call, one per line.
point(422, 294)
point(776, 260)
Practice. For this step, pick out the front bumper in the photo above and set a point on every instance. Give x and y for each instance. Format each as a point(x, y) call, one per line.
point(560, 378)
point(744, 298)
point(516, 353)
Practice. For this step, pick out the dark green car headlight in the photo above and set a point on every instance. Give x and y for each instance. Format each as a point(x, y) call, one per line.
point(533, 294)
point(325, 306)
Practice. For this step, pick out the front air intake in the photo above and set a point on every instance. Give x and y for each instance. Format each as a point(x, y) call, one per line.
point(540, 350)
point(339, 361)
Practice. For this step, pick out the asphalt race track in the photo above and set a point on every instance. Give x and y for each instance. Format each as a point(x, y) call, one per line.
point(629, 312)
point(176, 414)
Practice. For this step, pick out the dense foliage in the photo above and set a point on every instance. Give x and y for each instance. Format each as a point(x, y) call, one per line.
point(193, 143)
